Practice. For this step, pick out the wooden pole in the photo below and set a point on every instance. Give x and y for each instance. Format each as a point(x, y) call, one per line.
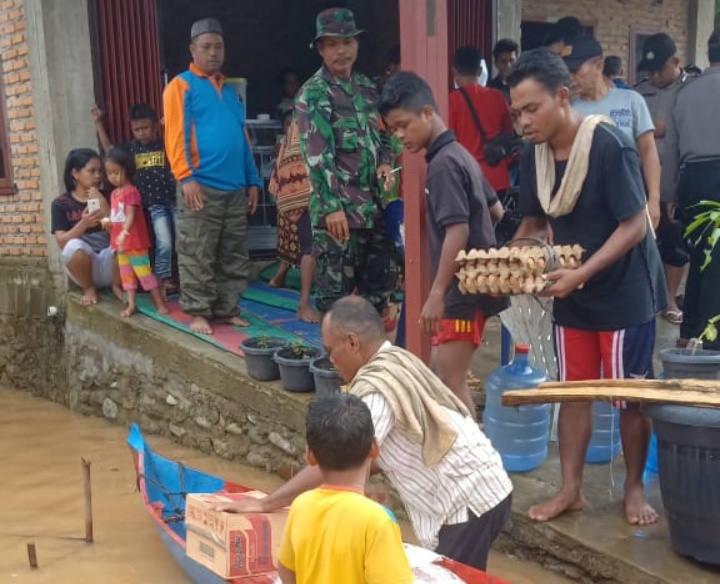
point(32, 555)
point(424, 49)
point(88, 501)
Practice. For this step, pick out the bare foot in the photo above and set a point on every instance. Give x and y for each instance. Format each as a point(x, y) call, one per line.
point(200, 325)
point(234, 321)
point(89, 297)
point(159, 301)
point(563, 502)
point(637, 510)
point(308, 314)
point(278, 280)
point(129, 311)
point(118, 292)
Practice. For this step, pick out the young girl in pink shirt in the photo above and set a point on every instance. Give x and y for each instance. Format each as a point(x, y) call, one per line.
point(129, 237)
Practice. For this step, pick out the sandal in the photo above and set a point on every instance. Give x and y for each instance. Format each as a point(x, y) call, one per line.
point(672, 316)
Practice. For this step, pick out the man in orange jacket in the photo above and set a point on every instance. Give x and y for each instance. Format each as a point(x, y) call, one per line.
point(210, 157)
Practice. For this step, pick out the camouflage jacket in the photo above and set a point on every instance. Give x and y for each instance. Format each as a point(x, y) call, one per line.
point(343, 145)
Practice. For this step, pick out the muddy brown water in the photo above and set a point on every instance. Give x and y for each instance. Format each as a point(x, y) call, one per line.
point(41, 446)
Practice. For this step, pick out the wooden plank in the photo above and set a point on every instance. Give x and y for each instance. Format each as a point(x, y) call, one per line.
point(688, 392)
point(706, 385)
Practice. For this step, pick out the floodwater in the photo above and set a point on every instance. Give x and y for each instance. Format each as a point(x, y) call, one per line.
point(41, 496)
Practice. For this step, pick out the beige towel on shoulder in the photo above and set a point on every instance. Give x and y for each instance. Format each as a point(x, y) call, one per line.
point(565, 199)
point(415, 395)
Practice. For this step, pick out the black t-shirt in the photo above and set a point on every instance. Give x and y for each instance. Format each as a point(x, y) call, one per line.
point(153, 177)
point(66, 213)
point(457, 192)
point(628, 292)
point(500, 85)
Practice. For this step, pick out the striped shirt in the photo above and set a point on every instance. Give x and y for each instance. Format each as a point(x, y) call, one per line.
point(470, 477)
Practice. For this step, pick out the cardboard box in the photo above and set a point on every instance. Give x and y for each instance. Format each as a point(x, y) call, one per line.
point(232, 545)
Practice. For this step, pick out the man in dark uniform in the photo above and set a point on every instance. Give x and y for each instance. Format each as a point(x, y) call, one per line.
point(693, 150)
point(660, 89)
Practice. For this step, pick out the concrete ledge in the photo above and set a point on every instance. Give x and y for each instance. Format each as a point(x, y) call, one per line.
point(139, 370)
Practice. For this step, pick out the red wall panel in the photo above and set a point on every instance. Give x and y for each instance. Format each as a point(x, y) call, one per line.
point(130, 60)
point(470, 23)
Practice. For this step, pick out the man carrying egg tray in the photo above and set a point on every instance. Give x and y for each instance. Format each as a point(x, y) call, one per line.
point(584, 181)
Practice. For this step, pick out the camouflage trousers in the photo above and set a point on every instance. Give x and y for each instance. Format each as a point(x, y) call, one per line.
point(366, 265)
point(212, 253)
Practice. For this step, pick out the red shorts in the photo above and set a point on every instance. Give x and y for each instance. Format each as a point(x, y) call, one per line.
point(456, 329)
point(621, 354)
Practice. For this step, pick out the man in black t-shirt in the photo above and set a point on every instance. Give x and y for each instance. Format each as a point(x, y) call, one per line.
point(604, 311)
point(505, 54)
point(461, 207)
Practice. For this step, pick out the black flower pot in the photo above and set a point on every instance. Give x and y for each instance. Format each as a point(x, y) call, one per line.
point(327, 378)
point(259, 352)
point(294, 365)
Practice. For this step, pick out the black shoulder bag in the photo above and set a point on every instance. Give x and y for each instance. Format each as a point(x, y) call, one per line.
point(500, 147)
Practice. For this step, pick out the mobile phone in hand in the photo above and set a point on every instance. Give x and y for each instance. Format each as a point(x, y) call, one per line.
point(93, 205)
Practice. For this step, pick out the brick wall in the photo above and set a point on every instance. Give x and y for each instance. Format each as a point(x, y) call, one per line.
point(613, 21)
point(22, 230)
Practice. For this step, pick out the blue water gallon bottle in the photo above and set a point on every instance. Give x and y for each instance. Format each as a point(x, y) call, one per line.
point(519, 434)
point(651, 464)
point(605, 438)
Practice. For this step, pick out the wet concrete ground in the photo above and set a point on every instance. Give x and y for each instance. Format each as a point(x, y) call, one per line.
point(596, 545)
point(599, 542)
point(41, 445)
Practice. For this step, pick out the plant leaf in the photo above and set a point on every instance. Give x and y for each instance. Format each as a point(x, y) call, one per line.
point(710, 333)
point(699, 221)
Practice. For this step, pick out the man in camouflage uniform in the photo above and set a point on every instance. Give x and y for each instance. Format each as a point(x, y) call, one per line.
point(348, 158)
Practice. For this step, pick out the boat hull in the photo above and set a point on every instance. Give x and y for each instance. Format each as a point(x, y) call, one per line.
point(163, 485)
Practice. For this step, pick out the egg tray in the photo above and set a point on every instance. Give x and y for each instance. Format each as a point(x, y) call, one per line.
point(513, 270)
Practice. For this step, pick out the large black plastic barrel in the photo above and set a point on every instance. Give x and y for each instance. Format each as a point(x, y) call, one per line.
point(688, 444)
point(689, 464)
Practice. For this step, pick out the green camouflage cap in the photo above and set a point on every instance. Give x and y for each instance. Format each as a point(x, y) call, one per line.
point(335, 22)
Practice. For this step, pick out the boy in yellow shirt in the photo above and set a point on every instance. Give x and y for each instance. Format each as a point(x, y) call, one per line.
point(334, 533)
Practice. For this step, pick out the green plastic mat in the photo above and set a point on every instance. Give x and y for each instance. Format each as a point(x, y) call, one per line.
point(292, 282)
point(292, 278)
point(226, 337)
point(272, 297)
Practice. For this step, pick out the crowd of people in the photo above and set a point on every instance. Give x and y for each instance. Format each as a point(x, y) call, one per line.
point(588, 160)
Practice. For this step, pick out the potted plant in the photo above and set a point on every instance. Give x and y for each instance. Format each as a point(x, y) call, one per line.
point(259, 352)
point(294, 364)
point(327, 378)
point(689, 437)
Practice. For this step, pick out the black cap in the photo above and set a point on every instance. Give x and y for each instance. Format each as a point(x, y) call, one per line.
point(580, 50)
point(205, 26)
point(657, 49)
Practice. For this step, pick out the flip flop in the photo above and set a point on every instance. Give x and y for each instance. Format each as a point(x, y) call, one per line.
point(672, 316)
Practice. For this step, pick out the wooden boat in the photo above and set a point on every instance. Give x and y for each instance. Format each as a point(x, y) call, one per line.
point(163, 485)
